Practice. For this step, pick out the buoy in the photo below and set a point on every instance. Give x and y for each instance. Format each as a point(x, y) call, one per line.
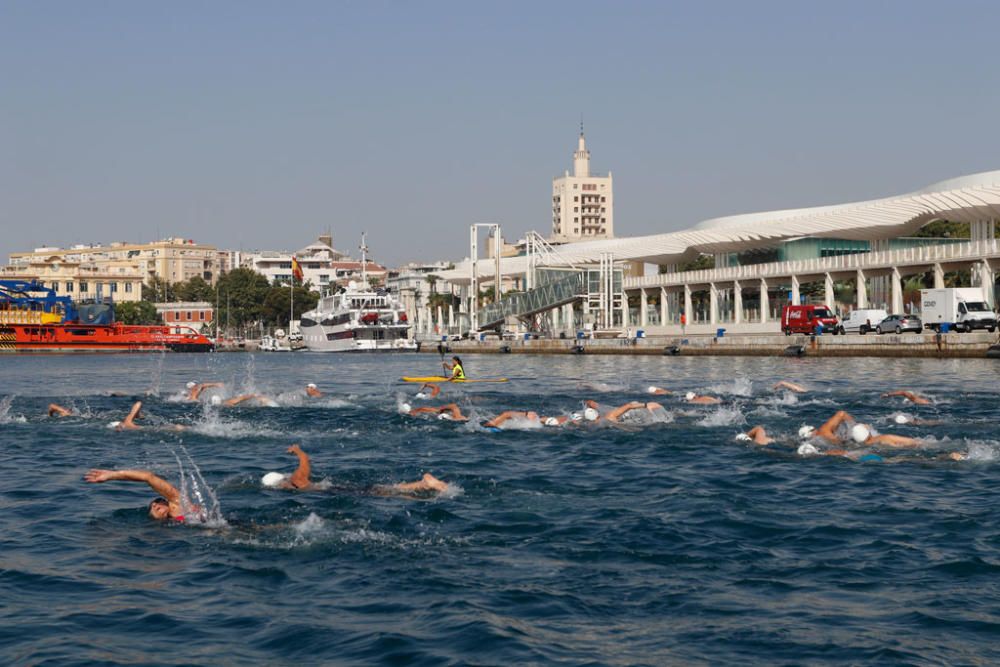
point(505, 349)
point(671, 350)
point(577, 349)
point(794, 351)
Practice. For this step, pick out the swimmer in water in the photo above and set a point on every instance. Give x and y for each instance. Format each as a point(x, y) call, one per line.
point(432, 387)
point(450, 412)
point(128, 424)
point(498, 421)
point(658, 391)
point(902, 418)
point(258, 398)
point(757, 435)
point(312, 391)
point(692, 397)
point(909, 396)
point(195, 389)
point(860, 433)
point(167, 506)
point(790, 386)
point(56, 410)
point(300, 480)
point(616, 414)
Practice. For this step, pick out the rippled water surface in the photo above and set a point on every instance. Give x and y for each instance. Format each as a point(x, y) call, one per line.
point(660, 541)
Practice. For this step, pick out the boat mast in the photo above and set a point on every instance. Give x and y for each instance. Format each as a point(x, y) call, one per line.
point(364, 262)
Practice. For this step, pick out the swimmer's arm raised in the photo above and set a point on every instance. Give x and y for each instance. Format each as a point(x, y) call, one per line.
point(828, 430)
point(158, 484)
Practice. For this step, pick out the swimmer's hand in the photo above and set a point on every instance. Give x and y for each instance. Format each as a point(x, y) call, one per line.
point(294, 449)
point(98, 476)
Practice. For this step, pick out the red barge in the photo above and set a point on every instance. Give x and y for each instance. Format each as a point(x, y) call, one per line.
point(34, 319)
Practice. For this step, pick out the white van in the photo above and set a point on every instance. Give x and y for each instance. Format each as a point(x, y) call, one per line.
point(862, 321)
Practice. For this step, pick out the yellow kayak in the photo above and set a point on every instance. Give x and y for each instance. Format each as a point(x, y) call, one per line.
point(441, 378)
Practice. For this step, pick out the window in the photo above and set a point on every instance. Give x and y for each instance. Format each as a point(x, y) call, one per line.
point(602, 199)
point(576, 209)
point(114, 287)
point(574, 186)
point(576, 198)
point(83, 286)
point(188, 316)
point(201, 315)
point(128, 287)
point(69, 287)
point(576, 219)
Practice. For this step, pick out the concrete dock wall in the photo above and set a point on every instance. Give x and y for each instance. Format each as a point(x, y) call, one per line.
point(970, 345)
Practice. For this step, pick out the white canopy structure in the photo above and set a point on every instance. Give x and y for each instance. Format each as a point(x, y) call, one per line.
point(964, 199)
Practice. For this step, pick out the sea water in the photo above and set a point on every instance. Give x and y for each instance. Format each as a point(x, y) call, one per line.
point(660, 541)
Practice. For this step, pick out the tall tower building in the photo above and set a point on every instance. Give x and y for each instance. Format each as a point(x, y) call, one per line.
point(582, 204)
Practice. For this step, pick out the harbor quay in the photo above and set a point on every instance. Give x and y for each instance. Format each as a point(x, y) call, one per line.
point(929, 345)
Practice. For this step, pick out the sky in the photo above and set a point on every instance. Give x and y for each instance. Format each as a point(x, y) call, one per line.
point(259, 125)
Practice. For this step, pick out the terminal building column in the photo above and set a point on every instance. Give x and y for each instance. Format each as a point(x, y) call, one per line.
point(986, 280)
point(664, 307)
point(861, 291)
point(713, 304)
point(765, 306)
point(625, 315)
point(643, 307)
point(554, 315)
point(687, 304)
point(938, 277)
point(897, 290)
point(737, 302)
point(828, 290)
point(795, 291)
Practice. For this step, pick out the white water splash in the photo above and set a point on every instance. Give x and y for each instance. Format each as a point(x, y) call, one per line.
point(156, 376)
point(198, 500)
point(5, 416)
point(981, 452)
point(723, 416)
point(738, 387)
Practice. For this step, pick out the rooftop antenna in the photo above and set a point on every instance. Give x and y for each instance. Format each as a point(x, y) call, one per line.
point(581, 124)
point(364, 260)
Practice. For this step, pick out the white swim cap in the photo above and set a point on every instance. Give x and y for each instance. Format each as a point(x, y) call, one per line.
point(420, 395)
point(216, 400)
point(272, 479)
point(191, 385)
point(651, 390)
point(551, 421)
point(310, 386)
point(114, 424)
point(688, 396)
point(901, 419)
point(590, 414)
point(445, 416)
point(742, 437)
point(860, 433)
point(807, 449)
point(806, 431)
point(576, 416)
point(405, 408)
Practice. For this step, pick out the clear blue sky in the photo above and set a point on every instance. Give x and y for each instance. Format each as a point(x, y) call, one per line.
point(260, 124)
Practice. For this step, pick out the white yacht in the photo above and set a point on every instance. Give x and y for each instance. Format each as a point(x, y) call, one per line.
point(358, 318)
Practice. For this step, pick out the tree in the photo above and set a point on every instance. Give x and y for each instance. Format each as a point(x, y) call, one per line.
point(241, 296)
point(135, 312)
point(432, 281)
point(274, 311)
point(944, 229)
point(195, 289)
point(158, 290)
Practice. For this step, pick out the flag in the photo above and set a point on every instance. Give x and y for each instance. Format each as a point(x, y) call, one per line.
point(296, 269)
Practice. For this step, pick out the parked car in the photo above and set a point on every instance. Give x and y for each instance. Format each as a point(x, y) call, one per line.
point(862, 321)
point(806, 319)
point(899, 324)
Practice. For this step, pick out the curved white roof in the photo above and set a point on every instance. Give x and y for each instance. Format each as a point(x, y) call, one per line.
point(963, 199)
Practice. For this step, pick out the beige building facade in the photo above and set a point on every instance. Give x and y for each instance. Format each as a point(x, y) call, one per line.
point(582, 204)
point(80, 281)
point(172, 260)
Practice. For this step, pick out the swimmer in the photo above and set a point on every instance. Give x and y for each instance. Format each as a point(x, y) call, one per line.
point(312, 391)
point(790, 386)
point(195, 389)
point(902, 418)
point(497, 421)
point(128, 424)
point(258, 398)
point(757, 435)
point(657, 391)
point(167, 506)
point(298, 480)
point(619, 412)
point(56, 410)
point(860, 433)
point(450, 412)
point(432, 387)
point(692, 397)
point(909, 396)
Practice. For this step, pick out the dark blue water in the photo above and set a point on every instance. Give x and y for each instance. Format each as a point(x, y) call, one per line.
point(652, 543)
